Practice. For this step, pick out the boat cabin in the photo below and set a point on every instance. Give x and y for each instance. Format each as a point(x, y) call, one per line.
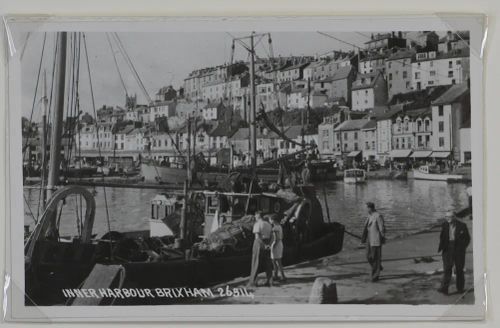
point(354, 176)
point(162, 206)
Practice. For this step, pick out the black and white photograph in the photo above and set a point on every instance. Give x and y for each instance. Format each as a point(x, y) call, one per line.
point(248, 166)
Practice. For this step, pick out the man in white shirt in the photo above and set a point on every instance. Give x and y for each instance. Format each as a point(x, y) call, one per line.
point(260, 250)
point(374, 237)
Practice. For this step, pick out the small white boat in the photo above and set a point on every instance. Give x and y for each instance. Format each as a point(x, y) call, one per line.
point(430, 173)
point(354, 176)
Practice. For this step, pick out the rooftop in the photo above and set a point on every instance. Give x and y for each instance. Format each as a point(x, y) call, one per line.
point(350, 125)
point(369, 80)
point(453, 94)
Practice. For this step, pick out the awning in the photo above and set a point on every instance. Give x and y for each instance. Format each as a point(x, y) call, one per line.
point(440, 154)
point(400, 153)
point(354, 153)
point(421, 154)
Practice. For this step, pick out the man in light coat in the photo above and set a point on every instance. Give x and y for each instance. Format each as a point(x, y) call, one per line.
point(374, 237)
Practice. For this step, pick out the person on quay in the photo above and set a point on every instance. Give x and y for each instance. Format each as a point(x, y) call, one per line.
point(306, 173)
point(453, 242)
point(374, 237)
point(260, 255)
point(469, 197)
point(277, 247)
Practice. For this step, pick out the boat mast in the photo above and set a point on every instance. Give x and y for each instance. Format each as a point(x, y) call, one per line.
point(57, 117)
point(43, 167)
point(253, 128)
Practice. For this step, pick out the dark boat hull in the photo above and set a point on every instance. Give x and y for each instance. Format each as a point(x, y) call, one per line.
point(205, 272)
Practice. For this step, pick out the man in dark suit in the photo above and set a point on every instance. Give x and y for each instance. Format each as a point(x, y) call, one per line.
point(453, 243)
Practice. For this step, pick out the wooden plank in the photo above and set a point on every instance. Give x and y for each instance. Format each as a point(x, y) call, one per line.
point(101, 276)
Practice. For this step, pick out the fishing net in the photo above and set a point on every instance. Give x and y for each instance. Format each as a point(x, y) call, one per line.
point(233, 237)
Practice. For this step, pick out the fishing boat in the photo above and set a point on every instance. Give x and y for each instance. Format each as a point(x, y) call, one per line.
point(427, 172)
point(354, 176)
point(217, 243)
point(194, 238)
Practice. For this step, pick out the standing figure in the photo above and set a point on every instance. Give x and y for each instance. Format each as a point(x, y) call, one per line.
point(453, 242)
point(306, 173)
point(469, 197)
point(262, 232)
point(374, 237)
point(277, 247)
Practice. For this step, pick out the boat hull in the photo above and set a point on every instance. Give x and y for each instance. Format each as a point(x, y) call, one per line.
point(163, 174)
point(205, 272)
point(417, 175)
point(354, 180)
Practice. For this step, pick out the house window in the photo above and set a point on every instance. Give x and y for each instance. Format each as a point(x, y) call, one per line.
point(355, 146)
point(367, 145)
point(440, 110)
point(355, 136)
point(430, 82)
point(441, 126)
point(432, 73)
point(450, 73)
point(407, 84)
point(390, 76)
point(450, 64)
point(345, 135)
point(345, 147)
point(405, 74)
point(458, 62)
point(441, 141)
point(373, 144)
point(431, 63)
point(417, 75)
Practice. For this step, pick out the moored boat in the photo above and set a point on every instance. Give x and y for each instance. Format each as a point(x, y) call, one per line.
point(354, 176)
point(431, 173)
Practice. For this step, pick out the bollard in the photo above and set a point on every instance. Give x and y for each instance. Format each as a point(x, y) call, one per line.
point(324, 291)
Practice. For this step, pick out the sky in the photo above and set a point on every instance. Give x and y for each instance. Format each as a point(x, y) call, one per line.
point(160, 59)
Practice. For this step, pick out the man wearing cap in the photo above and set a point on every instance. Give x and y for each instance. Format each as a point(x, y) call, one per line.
point(453, 242)
point(374, 237)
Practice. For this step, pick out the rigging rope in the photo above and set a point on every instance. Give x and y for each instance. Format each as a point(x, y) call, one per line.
point(36, 92)
point(47, 124)
point(116, 64)
point(97, 128)
point(29, 208)
point(262, 116)
point(132, 67)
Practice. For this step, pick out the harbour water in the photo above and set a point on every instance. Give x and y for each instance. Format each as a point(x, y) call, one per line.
point(407, 206)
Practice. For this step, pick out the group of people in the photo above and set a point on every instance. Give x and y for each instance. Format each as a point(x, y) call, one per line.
point(453, 242)
point(267, 250)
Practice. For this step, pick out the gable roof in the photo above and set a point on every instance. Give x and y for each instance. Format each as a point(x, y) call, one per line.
point(357, 85)
point(371, 124)
point(452, 95)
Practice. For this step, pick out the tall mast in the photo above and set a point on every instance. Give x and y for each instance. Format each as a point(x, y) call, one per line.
point(253, 130)
point(43, 167)
point(57, 118)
